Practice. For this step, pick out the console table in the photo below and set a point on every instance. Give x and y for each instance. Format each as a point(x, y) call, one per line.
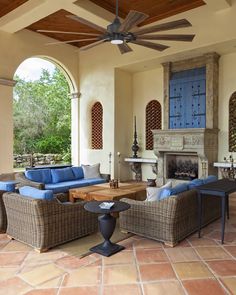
point(136, 166)
point(55, 166)
point(225, 168)
point(221, 188)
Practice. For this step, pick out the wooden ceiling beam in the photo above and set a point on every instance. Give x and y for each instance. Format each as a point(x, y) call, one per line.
point(91, 12)
point(29, 13)
point(217, 5)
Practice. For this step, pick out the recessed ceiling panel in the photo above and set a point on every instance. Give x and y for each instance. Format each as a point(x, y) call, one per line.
point(59, 21)
point(156, 9)
point(7, 6)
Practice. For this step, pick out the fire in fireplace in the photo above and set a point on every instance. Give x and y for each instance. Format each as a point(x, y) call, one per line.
point(184, 167)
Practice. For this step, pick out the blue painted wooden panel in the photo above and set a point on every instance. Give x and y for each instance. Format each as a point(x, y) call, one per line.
point(187, 93)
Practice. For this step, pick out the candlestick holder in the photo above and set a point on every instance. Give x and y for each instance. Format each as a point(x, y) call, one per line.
point(135, 146)
point(118, 155)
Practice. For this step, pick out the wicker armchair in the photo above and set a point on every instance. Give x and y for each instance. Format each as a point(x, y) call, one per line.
point(169, 220)
point(45, 224)
point(3, 216)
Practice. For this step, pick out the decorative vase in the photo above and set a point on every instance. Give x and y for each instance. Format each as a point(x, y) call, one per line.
point(151, 182)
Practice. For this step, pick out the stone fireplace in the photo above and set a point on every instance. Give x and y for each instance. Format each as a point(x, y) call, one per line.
point(188, 153)
point(199, 146)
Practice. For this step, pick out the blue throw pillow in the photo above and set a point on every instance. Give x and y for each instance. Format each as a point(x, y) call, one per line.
point(35, 193)
point(194, 183)
point(78, 172)
point(210, 178)
point(179, 188)
point(8, 186)
point(39, 175)
point(60, 175)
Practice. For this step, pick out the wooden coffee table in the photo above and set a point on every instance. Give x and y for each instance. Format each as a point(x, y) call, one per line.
point(104, 192)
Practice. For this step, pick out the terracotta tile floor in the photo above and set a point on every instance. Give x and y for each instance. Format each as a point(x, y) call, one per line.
point(146, 267)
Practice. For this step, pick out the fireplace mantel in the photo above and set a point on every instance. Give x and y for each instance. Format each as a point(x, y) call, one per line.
point(185, 140)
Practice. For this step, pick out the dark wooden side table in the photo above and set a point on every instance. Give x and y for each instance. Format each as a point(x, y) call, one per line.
point(107, 225)
point(221, 188)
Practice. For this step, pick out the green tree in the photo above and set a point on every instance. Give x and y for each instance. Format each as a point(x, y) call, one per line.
point(42, 114)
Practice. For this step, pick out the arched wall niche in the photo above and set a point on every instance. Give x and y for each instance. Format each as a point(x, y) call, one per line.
point(97, 126)
point(153, 121)
point(232, 123)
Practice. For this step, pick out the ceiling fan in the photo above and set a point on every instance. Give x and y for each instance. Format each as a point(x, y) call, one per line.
point(126, 32)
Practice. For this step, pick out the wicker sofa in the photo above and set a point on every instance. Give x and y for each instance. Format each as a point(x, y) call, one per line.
point(42, 179)
point(45, 224)
point(169, 220)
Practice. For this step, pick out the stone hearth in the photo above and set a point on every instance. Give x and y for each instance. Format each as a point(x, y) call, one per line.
point(200, 143)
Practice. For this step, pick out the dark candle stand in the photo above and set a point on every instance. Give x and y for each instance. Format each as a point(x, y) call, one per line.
point(135, 146)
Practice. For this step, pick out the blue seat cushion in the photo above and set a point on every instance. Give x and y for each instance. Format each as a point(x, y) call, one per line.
point(63, 187)
point(78, 172)
point(93, 181)
point(179, 188)
point(57, 187)
point(194, 183)
point(39, 175)
point(8, 186)
point(35, 193)
point(60, 175)
point(210, 178)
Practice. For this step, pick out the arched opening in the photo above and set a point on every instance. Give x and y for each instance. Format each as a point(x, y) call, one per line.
point(42, 113)
point(153, 121)
point(232, 123)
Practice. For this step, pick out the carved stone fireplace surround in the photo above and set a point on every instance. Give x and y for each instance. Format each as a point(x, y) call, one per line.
point(197, 141)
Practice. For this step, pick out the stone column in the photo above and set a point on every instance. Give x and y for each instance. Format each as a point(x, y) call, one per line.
point(75, 128)
point(165, 112)
point(212, 85)
point(6, 125)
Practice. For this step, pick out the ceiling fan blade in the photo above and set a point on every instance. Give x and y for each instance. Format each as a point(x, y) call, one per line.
point(71, 41)
point(175, 37)
point(181, 23)
point(92, 45)
point(86, 22)
point(151, 45)
point(70, 33)
point(124, 48)
point(132, 19)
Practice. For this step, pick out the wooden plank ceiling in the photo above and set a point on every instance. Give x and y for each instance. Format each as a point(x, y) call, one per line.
point(7, 6)
point(156, 9)
point(59, 22)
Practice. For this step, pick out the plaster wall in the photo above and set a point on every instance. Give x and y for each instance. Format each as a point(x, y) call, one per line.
point(14, 49)
point(123, 122)
point(227, 86)
point(6, 129)
point(97, 84)
point(147, 86)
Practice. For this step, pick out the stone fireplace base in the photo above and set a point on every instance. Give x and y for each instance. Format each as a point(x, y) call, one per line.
point(200, 143)
point(181, 166)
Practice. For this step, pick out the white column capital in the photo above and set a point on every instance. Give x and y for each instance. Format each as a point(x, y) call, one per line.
point(75, 95)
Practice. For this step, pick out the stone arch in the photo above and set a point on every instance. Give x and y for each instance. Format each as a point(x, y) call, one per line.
point(74, 96)
point(232, 123)
point(153, 121)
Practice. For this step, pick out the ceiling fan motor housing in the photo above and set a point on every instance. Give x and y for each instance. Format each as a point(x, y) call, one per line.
point(114, 27)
